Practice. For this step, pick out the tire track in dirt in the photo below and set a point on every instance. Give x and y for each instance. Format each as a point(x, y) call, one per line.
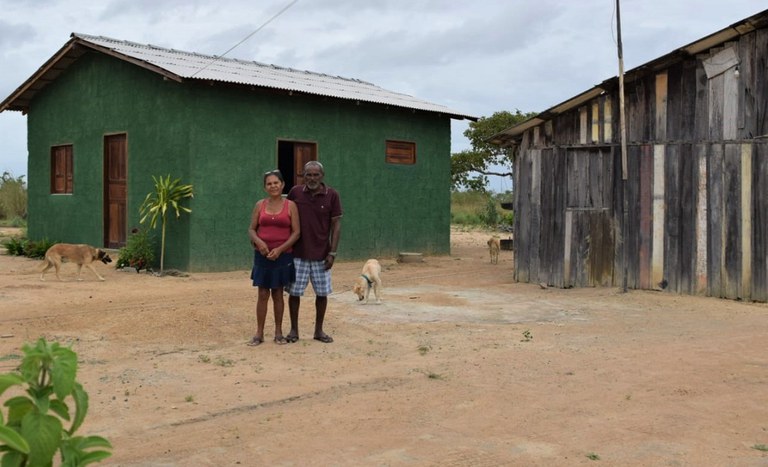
point(334, 392)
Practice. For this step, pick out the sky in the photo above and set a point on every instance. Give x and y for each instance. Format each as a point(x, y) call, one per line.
point(476, 57)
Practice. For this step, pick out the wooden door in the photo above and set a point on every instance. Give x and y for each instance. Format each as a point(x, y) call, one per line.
point(115, 190)
point(302, 153)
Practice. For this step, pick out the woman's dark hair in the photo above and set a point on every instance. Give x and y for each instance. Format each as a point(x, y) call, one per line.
point(276, 173)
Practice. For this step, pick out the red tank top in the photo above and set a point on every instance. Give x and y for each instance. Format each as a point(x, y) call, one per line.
point(274, 229)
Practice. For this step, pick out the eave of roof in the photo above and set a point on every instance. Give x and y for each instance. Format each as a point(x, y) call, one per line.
point(756, 21)
point(185, 66)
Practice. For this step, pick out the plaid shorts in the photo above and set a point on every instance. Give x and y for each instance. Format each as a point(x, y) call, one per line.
point(310, 271)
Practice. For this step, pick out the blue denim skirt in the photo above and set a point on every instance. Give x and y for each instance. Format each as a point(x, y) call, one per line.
point(273, 274)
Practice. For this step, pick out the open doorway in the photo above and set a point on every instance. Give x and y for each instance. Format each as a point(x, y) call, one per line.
point(291, 157)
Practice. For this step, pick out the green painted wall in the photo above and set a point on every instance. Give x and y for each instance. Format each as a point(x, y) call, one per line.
point(222, 139)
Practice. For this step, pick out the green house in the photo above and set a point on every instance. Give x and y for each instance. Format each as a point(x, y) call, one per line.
point(105, 115)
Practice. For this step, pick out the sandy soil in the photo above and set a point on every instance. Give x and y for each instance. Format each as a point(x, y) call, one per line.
point(460, 366)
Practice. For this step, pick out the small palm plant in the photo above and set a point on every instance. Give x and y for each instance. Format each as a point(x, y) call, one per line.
point(168, 194)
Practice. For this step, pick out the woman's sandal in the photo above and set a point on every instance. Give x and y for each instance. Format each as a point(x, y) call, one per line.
point(280, 340)
point(255, 341)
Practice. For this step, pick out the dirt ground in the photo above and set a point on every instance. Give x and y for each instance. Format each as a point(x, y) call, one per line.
point(460, 366)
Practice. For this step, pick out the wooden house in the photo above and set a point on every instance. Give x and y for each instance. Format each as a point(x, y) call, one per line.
point(105, 115)
point(687, 209)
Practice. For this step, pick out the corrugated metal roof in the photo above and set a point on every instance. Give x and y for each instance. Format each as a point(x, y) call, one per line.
point(756, 21)
point(181, 66)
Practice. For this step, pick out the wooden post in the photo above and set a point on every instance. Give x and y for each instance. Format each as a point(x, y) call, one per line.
point(623, 138)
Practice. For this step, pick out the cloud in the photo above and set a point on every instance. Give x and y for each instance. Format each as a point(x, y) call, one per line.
point(475, 57)
point(14, 34)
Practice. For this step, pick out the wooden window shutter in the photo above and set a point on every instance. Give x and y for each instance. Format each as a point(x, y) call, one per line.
point(62, 179)
point(69, 170)
point(401, 152)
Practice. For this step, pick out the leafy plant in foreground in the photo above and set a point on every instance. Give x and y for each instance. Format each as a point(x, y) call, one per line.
point(33, 430)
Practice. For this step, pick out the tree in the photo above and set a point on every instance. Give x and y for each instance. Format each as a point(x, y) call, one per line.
point(470, 168)
point(13, 196)
point(168, 194)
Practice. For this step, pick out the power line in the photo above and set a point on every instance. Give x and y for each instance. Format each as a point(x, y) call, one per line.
point(247, 37)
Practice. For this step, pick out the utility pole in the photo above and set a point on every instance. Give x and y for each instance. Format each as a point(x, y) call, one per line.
point(623, 138)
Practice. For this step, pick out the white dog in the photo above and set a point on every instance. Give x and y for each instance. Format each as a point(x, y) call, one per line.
point(369, 279)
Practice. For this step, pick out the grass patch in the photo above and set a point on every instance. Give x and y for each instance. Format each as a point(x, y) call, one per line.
point(221, 361)
point(16, 222)
point(761, 447)
point(593, 457)
point(476, 208)
point(527, 336)
point(467, 204)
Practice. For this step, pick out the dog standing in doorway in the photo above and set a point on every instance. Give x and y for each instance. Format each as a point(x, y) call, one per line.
point(82, 255)
point(369, 279)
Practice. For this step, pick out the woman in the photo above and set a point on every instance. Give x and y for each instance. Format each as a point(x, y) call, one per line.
point(273, 231)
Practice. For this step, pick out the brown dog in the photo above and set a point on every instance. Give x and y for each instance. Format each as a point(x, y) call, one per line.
point(82, 255)
point(494, 245)
point(369, 279)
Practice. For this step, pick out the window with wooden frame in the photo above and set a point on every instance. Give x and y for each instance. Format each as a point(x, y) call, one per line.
point(62, 179)
point(401, 152)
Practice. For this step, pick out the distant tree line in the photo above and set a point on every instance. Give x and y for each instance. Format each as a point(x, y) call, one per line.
point(13, 199)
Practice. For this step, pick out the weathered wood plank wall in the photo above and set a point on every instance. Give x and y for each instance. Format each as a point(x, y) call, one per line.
point(697, 218)
point(523, 211)
point(760, 223)
point(697, 192)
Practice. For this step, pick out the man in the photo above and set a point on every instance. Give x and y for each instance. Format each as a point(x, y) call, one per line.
point(315, 251)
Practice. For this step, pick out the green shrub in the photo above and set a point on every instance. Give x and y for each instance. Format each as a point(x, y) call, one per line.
point(37, 249)
point(33, 430)
point(15, 246)
point(138, 252)
point(19, 246)
point(508, 218)
point(489, 215)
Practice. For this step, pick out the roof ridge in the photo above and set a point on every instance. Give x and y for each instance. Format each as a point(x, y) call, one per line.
point(214, 58)
point(180, 65)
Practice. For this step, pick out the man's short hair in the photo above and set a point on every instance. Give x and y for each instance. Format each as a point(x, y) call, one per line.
point(315, 164)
